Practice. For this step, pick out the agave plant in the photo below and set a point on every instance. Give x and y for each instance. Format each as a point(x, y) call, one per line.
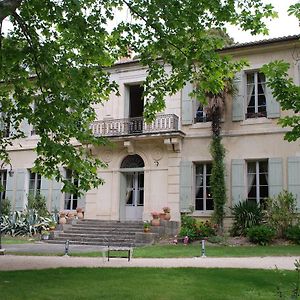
point(246, 215)
point(24, 223)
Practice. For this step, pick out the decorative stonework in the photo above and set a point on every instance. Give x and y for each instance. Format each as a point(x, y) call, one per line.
point(157, 153)
point(107, 156)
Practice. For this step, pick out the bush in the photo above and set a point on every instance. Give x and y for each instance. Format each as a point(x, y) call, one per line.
point(188, 227)
point(194, 230)
point(281, 212)
point(206, 229)
point(38, 203)
point(261, 234)
point(292, 233)
point(245, 214)
point(5, 207)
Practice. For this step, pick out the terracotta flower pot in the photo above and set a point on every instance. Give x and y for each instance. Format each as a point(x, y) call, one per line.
point(168, 216)
point(162, 216)
point(155, 222)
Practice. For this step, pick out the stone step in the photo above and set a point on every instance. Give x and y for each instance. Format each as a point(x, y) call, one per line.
point(98, 240)
point(87, 235)
point(93, 225)
point(100, 231)
point(116, 244)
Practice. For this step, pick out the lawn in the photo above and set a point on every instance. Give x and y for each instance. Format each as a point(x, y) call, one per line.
point(164, 251)
point(171, 251)
point(17, 240)
point(143, 283)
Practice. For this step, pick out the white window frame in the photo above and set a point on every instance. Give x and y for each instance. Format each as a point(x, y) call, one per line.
point(204, 164)
point(69, 196)
point(257, 177)
point(37, 183)
point(3, 183)
point(255, 73)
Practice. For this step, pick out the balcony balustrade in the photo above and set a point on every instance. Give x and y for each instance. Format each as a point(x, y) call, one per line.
point(135, 126)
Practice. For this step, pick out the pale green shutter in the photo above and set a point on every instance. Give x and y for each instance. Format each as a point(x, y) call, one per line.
point(186, 186)
point(273, 107)
point(56, 195)
point(123, 190)
point(238, 181)
point(275, 179)
point(25, 127)
point(294, 177)
point(9, 189)
point(238, 98)
point(21, 200)
point(45, 188)
point(187, 105)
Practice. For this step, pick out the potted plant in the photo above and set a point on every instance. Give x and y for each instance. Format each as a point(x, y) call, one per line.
point(155, 216)
point(45, 234)
point(146, 226)
point(79, 211)
point(62, 218)
point(167, 210)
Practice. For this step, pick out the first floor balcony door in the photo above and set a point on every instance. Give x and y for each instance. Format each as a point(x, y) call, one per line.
point(134, 199)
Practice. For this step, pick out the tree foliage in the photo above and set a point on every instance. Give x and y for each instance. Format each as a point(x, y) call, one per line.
point(55, 62)
point(285, 90)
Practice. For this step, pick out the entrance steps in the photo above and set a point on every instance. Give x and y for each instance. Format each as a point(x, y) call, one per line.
point(104, 233)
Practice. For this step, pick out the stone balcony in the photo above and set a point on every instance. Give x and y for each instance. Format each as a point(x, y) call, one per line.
point(163, 124)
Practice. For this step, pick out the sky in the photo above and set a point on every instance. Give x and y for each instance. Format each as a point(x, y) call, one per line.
point(282, 26)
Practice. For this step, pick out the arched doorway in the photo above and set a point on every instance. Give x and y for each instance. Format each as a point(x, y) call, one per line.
point(132, 188)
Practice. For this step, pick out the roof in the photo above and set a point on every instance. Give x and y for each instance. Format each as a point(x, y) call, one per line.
point(263, 42)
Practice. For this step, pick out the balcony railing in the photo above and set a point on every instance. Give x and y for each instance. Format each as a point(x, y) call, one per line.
point(135, 126)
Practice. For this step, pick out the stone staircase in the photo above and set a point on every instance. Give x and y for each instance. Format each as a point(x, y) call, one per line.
point(104, 233)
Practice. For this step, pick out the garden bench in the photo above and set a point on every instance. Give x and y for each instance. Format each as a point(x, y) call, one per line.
point(111, 250)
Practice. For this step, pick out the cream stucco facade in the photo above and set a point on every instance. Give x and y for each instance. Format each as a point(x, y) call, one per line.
point(173, 149)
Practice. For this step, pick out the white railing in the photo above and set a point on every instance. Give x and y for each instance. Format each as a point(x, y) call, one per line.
point(135, 126)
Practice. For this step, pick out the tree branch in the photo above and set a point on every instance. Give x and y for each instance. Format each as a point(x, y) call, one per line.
point(152, 26)
point(37, 66)
point(8, 7)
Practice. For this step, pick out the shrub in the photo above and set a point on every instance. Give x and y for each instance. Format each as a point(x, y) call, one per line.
point(261, 234)
point(206, 229)
point(245, 214)
point(292, 233)
point(38, 203)
point(194, 230)
point(281, 212)
point(5, 207)
point(188, 227)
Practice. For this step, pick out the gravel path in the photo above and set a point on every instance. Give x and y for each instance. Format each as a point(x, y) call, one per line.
point(11, 262)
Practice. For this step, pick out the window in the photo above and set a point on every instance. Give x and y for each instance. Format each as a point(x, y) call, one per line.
point(71, 200)
point(3, 178)
point(256, 95)
point(257, 181)
point(203, 195)
point(34, 183)
point(201, 116)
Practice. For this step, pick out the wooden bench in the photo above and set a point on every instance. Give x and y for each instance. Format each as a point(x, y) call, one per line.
point(111, 250)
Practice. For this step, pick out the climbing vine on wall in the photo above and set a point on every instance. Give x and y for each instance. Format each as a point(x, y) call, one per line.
point(217, 180)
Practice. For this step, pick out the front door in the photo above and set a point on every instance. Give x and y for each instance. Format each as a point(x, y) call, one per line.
point(134, 202)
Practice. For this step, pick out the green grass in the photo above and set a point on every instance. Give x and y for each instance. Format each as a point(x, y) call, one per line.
point(17, 240)
point(164, 251)
point(171, 251)
point(143, 283)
